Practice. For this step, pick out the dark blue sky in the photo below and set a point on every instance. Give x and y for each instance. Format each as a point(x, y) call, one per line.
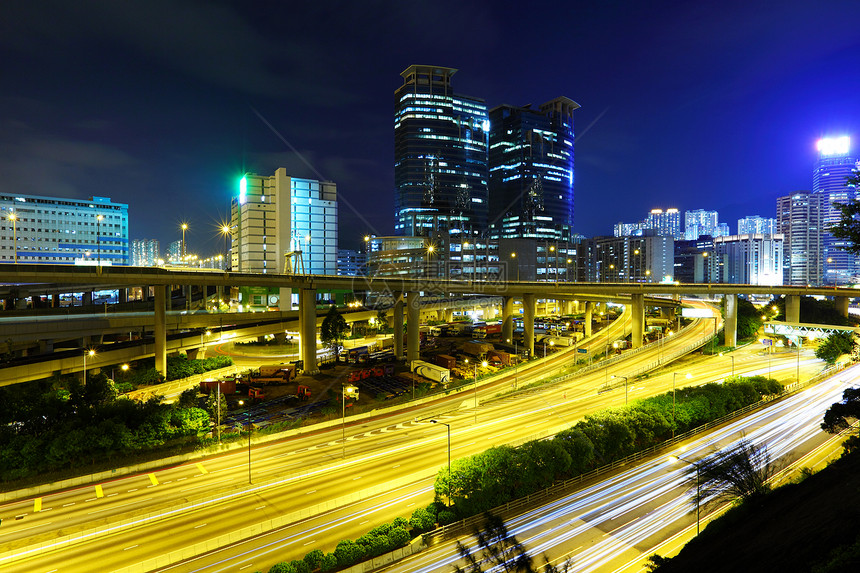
point(160, 104)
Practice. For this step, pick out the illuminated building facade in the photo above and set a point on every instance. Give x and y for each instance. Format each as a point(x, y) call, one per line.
point(440, 156)
point(647, 258)
point(145, 252)
point(750, 259)
point(36, 229)
point(701, 222)
point(756, 225)
point(531, 170)
point(835, 163)
point(797, 216)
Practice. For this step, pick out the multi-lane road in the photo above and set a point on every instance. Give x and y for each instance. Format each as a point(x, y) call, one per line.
point(389, 464)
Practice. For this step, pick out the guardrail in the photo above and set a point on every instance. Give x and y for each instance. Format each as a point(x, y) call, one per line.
point(560, 487)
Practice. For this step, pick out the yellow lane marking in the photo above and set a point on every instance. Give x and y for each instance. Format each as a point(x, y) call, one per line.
point(202, 469)
point(153, 479)
point(37, 505)
point(99, 491)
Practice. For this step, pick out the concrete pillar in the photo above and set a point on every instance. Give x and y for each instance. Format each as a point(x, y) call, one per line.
point(841, 304)
point(730, 329)
point(122, 297)
point(87, 298)
point(46, 346)
point(449, 315)
point(160, 333)
point(397, 319)
point(638, 307)
point(308, 330)
point(413, 321)
point(507, 318)
point(55, 300)
point(529, 323)
point(440, 315)
point(589, 311)
point(281, 338)
point(195, 353)
point(666, 313)
point(792, 308)
point(261, 339)
point(568, 307)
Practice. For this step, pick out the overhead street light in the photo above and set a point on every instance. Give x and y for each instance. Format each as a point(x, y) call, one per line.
point(14, 218)
point(625, 386)
point(242, 403)
point(448, 426)
point(347, 391)
point(732, 356)
point(90, 352)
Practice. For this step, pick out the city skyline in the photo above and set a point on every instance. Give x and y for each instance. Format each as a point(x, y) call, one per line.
point(706, 106)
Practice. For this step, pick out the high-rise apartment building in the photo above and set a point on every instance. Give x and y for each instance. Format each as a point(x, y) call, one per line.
point(283, 224)
point(36, 229)
point(835, 163)
point(701, 222)
point(647, 258)
point(756, 225)
point(440, 156)
point(751, 259)
point(531, 170)
point(145, 252)
point(666, 223)
point(797, 216)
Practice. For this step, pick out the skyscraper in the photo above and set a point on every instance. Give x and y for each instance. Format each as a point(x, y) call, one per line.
point(756, 225)
point(667, 223)
point(531, 170)
point(835, 163)
point(701, 222)
point(440, 156)
point(145, 252)
point(797, 216)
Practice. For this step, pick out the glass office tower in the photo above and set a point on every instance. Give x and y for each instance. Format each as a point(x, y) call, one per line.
point(835, 164)
point(531, 170)
point(440, 156)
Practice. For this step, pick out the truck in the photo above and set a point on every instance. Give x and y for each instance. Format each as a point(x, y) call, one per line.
point(500, 356)
point(430, 371)
point(357, 354)
point(446, 361)
point(476, 348)
point(273, 374)
point(489, 329)
point(557, 340)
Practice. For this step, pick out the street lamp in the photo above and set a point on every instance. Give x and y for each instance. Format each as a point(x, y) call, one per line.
point(514, 256)
point(225, 231)
point(698, 485)
point(625, 386)
point(90, 352)
point(835, 273)
point(674, 374)
point(449, 455)
point(347, 391)
point(732, 356)
point(184, 228)
point(14, 218)
point(98, 238)
point(241, 403)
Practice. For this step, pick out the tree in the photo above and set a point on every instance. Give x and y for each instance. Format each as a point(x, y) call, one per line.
point(334, 328)
point(498, 550)
point(740, 472)
point(838, 417)
point(834, 346)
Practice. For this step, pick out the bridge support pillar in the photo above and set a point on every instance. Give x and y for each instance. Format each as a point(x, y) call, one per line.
point(55, 300)
point(529, 323)
point(507, 318)
point(568, 307)
point(281, 338)
point(413, 322)
point(122, 296)
point(195, 353)
point(730, 328)
point(589, 312)
point(638, 307)
point(397, 321)
point(46, 346)
point(308, 330)
point(792, 308)
point(841, 304)
point(87, 298)
point(449, 315)
point(160, 333)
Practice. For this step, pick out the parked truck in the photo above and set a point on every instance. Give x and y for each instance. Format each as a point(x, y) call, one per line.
point(557, 340)
point(273, 374)
point(446, 361)
point(500, 357)
point(431, 371)
point(477, 349)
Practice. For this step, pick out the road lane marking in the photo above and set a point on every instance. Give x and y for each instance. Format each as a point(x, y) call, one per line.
point(246, 566)
point(132, 547)
point(68, 504)
point(309, 542)
point(201, 525)
point(99, 491)
point(37, 505)
point(153, 479)
point(131, 490)
point(310, 492)
point(261, 507)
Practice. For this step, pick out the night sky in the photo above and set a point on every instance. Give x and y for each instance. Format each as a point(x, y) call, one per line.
point(164, 104)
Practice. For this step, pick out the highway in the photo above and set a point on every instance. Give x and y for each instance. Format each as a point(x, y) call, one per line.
point(616, 523)
point(306, 471)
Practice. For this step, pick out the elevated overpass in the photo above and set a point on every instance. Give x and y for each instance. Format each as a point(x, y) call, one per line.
point(409, 293)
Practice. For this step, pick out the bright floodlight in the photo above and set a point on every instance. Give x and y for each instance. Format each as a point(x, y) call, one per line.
point(243, 190)
point(834, 145)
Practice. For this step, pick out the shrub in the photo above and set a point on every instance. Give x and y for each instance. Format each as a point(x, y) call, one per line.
point(329, 562)
point(282, 567)
point(422, 520)
point(374, 545)
point(300, 566)
point(314, 558)
point(446, 516)
point(348, 552)
point(398, 537)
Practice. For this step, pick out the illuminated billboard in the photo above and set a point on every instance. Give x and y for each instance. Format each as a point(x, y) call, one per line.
point(834, 145)
point(696, 313)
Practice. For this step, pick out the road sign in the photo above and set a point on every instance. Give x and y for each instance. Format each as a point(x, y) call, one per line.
point(582, 350)
point(767, 342)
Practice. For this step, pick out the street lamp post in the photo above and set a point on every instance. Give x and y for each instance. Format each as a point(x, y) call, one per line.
point(733, 364)
point(242, 403)
point(448, 426)
point(184, 228)
point(89, 352)
point(698, 486)
point(347, 391)
point(674, 374)
point(625, 386)
point(225, 231)
point(514, 256)
point(14, 218)
point(98, 238)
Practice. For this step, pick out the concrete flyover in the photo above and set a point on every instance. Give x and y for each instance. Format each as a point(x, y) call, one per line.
point(405, 291)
